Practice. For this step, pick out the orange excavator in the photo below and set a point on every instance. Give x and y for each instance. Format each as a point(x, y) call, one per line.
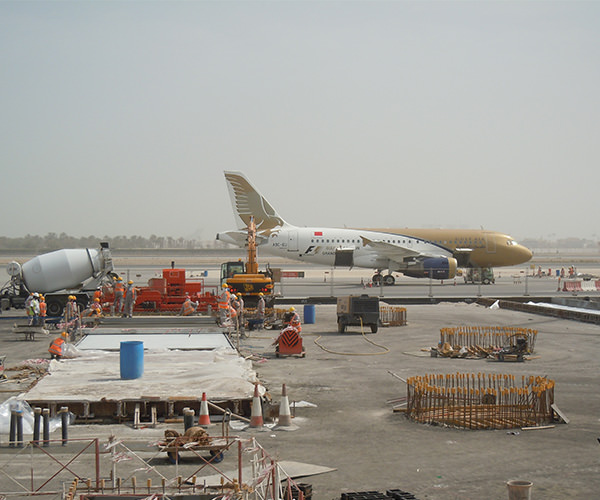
point(245, 278)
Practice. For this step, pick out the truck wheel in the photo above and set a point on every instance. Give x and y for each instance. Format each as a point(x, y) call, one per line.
point(341, 327)
point(389, 280)
point(55, 308)
point(373, 328)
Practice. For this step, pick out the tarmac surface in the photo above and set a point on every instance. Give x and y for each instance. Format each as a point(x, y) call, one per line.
point(353, 429)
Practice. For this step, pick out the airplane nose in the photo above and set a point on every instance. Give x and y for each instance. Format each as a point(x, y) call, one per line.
point(525, 254)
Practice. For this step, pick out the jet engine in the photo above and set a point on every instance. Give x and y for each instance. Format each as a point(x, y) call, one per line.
point(439, 268)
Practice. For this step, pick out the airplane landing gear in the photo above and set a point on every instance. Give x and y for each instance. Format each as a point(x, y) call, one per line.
point(388, 279)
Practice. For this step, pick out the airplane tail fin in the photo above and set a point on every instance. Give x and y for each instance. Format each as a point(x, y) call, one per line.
point(247, 202)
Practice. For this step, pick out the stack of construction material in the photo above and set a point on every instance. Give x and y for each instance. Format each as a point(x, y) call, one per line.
point(481, 341)
point(395, 494)
point(392, 315)
point(480, 401)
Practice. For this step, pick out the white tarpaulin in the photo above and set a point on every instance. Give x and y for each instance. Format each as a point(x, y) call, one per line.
point(95, 375)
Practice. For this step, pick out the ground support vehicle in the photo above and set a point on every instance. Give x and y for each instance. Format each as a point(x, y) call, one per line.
point(56, 275)
point(168, 293)
point(484, 275)
point(358, 310)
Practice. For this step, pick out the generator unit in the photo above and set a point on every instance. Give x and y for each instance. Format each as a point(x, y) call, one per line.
point(358, 310)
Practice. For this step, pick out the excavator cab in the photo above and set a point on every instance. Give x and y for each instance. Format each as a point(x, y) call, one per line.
point(230, 269)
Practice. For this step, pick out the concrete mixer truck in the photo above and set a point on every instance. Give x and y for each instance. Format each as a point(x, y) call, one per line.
point(56, 275)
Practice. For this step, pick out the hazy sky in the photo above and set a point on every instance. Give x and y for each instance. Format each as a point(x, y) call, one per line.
point(119, 118)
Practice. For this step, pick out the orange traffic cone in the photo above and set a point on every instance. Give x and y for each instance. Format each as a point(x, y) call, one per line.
point(204, 417)
point(256, 419)
point(285, 417)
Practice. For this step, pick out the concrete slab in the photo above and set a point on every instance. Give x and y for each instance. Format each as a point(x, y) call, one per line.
point(157, 340)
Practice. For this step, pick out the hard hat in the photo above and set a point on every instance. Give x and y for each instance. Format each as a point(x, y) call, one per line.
point(42, 297)
point(239, 294)
point(292, 309)
point(96, 299)
point(130, 282)
point(64, 334)
point(119, 278)
point(225, 285)
point(35, 294)
point(260, 293)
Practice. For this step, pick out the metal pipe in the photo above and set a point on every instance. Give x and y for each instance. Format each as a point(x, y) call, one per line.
point(13, 428)
point(64, 421)
point(46, 426)
point(19, 428)
point(37, 417)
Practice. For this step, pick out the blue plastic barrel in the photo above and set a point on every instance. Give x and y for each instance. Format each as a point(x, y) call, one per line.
point(309, 314)
point(132, 359)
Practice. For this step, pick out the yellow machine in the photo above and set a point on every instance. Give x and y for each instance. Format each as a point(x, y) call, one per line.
point(244, 278)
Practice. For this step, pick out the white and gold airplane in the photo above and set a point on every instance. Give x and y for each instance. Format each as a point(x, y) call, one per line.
point(418, 253)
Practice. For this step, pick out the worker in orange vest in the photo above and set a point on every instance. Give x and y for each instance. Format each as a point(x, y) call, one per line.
point(72, 315)
point(119, 291)
point(43, 311)
point(56, 346)
point(95, 309)
point(188, 307)
point(223, 302)
point(293, 319)
point(130, 296)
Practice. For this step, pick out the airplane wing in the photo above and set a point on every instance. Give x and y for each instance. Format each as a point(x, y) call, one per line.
point(392, 251)
point(239, 238)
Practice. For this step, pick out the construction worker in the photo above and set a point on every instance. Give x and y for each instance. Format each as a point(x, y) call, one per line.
point(56, 346)
point(118, 291)
point(223, 303)
point(188, 307)
point(239, 309)
point(33, 309)
point(130, 296)
point(43, 311)
point(72, 316)
point(95, 309)
point(98, 294)
point(293, 319)
point(260, 310)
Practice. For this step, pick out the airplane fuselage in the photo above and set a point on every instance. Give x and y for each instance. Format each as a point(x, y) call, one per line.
point(324, 245)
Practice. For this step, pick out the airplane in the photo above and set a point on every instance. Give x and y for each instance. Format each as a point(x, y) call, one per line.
point(417, 253)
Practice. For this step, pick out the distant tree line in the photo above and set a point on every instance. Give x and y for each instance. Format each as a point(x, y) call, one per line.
point(560, 243)
point(53, 241)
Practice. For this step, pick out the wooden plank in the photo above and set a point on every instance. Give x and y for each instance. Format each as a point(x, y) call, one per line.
point(562, 416)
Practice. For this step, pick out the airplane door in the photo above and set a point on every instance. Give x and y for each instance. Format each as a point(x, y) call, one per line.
point(344, 258)
point(490, 242)
point(292, 241)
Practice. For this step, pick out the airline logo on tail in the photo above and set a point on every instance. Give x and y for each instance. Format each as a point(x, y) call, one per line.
point(247, 202)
